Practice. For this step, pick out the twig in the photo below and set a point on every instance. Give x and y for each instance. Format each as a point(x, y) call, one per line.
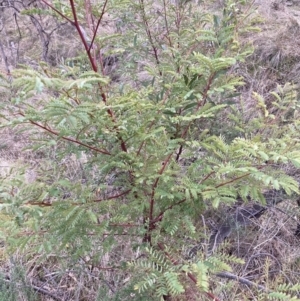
point(205, 234)
point(260, 255)
point(104, 152)
point(49, 204)
point(161, 214)
point(98, 24)
point(147, 28)
point(241, 280)
point(44, 37)
point(113, 196)
point(5, 60)
point(37, 289)
point(57, 11)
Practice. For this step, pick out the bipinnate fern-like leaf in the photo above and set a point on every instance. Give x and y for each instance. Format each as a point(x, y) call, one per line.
point(288, 287)
point(159, 258)
point(173, 284)
point(146, 283)
point(282, 296)
point(200, 269)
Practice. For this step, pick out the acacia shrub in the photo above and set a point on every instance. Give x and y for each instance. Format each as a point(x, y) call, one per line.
point(150, 163)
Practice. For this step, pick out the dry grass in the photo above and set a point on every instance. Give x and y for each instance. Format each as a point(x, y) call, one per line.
point(277, 49)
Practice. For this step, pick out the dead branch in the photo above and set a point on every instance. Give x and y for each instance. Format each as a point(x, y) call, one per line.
point(38, 289)
point(241, 280)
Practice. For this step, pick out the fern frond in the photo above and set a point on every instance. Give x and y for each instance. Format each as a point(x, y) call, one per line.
point(173, 284)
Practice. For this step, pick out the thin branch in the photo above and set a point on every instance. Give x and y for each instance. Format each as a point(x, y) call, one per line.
point(167, 27)
point(98, 24)
point(93, 64)
point(260, 255)
point(152, 201)
point(48, 204)
point(179, 153)
point(89, 15)
point(242, 280)
point(19, 38)
point(147, 28)
point(44, 37)
point(104, 152)
point(205, 93)
point(153, 122)
point(84, 41)
point(37, 289)
point(113, 196)
point(167, 160)
point(40, 204)
point(233, 180)
point(161, 214)
point(57, 11)
point(5, 60)
point(124, 225)
point(205, 233)
point(207, 176)
point(94, 67)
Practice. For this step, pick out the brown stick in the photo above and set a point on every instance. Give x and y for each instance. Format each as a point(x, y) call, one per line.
point(38, 289)
point(104, 152)
point(241, 280)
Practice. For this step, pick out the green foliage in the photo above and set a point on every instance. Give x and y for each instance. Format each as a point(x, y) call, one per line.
point(282, 296)
point(147, 155)
point(16, 288)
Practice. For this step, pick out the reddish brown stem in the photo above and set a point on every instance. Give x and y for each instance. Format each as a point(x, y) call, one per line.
point(89, 16)
point(233, 180)
point(207, 176)
point(167, 27)
point(124, 225)
point(57, 11)
point(113, 196)
point(162, 248)
point(238, 178)
point(148, 31)
point(164, 165)
point(87, 48)
point(161, 214)
point(83, 40)
point(205, 93)
point(153, 122)
point(104, 152)
point(93, 63)
point(167, 160)
point(40, 204)
point(98, 23)
point(43, 203)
